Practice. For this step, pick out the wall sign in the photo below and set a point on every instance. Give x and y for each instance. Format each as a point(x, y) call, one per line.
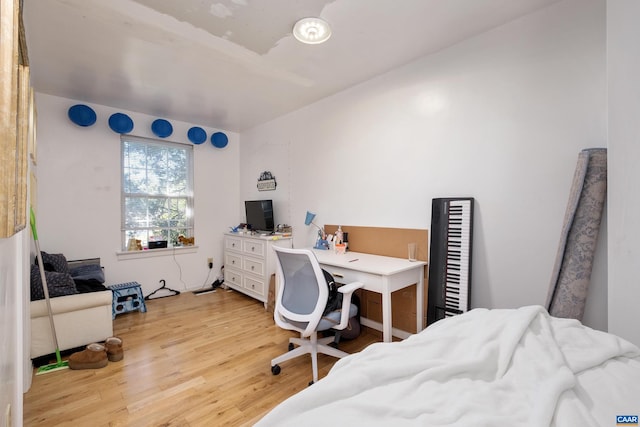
point(266, 182)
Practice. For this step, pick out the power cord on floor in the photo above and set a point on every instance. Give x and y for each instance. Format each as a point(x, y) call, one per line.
point(215, 285)
point(206, 280)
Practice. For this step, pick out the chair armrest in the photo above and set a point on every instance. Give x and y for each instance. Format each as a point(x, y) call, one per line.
point(350, 288)
point(347, 291)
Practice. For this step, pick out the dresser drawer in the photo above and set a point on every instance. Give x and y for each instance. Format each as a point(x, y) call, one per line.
point(254, 285)
point(254, 265)
point(232, 260)
point(233, 277)
point(254, 247)
point(233, 244)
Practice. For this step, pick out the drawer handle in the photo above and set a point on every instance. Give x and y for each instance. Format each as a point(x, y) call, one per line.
point(253, 267)
point(338, 275)
point(233, 262)
point(233, 245)
point(253, 248)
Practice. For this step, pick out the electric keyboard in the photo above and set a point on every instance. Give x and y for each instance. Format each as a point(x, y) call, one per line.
point(450, 260)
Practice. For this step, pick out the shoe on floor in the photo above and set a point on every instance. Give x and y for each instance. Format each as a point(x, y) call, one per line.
point(115, 353)
point(93, 357)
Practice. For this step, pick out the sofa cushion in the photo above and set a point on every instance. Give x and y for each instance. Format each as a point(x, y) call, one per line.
point(54, 262)
point(79, 319)
point(72, 304)
point(58, 284)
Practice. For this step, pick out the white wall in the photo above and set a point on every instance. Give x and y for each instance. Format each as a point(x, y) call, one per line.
point(15, 375)
point(500, 117)
point(623, 68)
point(79, 196)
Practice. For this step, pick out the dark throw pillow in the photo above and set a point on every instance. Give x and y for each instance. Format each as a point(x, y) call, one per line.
point(54, 262)
point(58, 284)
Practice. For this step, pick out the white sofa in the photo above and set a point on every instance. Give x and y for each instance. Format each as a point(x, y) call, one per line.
point(79, 319)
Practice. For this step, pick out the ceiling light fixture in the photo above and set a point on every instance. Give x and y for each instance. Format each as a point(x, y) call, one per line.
point(312, 30)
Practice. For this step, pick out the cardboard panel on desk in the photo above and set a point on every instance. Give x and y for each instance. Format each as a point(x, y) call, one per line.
point(385, 241)
point(392, 242)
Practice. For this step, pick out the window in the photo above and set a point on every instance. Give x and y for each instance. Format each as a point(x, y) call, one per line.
point(157, 190)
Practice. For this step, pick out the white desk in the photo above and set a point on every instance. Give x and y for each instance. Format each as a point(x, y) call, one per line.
point(380, 274)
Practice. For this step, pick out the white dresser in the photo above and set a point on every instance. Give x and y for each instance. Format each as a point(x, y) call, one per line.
point(249, 262)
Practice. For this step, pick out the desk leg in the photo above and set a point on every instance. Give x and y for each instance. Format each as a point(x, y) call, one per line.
point(420, 301)
point(386, 312)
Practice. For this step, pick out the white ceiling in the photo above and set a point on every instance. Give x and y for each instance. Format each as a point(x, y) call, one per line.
point(234, 64)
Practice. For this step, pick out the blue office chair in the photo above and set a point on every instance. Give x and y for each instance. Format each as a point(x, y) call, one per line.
point(300, 301)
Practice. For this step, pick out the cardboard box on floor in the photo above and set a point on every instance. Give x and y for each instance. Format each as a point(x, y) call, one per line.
point(271, 296)
point(390, 242)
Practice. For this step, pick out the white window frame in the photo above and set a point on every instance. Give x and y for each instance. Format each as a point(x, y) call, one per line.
point(186, 196)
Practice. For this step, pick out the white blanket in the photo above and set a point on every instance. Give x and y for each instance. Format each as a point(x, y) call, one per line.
point(484, 368)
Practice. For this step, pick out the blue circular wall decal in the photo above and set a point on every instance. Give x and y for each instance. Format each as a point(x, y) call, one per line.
point(219, 140)
point(161, 128)
point(120, 123)
point(197, 135)
point(82, 115)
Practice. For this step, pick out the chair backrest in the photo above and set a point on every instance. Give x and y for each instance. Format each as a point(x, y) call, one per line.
point(302, 290)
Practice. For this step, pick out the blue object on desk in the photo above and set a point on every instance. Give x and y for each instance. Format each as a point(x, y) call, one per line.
point(321, 244)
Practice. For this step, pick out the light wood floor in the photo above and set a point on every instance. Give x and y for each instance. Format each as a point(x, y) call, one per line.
point(189, 361)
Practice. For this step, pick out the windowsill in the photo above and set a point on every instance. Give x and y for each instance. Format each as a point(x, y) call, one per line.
point(150, 253)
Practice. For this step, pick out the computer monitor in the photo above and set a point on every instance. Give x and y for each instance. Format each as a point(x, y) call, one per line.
point(259, 215)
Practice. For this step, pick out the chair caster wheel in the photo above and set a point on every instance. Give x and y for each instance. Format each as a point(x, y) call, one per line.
point(311, 383)
point(275, 369)
point(291, 346)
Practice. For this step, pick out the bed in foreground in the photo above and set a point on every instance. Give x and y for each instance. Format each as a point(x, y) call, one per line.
point(483, 368)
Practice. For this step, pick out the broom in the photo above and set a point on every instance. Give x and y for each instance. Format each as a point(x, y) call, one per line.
point(60, 364)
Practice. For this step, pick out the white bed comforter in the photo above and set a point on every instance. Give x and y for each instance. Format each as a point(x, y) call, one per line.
point(484, 368)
